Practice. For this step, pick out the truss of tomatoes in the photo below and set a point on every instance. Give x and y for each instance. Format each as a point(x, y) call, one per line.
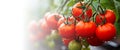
point(75, 28)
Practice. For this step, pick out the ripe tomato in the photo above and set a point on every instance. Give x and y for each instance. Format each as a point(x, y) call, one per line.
point(67, 30)
point(77, 11)
point(74, 45)
point(85, 29)
point(52, 20)
point(109, 15)
point(62, 20)
point(44, 26)
point(66, 41)
point(33, 27)
point(94, 41)
point(46, 15)
point(106, 32)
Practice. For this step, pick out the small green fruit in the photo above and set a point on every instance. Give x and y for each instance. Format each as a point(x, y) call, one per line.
point(74, 45)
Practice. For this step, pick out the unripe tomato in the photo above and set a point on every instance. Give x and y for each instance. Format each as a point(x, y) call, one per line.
point(94, 41)
point(43, 26)
point(85, 29)
point(74, 45)
point(109, 15)
point(106, 32)
point(66, 41)
point(52, 20)
point(67, 30)
point(77, 11)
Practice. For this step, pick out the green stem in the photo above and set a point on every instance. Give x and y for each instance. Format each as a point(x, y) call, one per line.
point(62, 6)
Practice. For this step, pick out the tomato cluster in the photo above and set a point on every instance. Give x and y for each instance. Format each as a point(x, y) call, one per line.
point(78, 27)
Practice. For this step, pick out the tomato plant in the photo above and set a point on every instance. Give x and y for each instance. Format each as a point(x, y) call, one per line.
point(80, 23)
point(78, 9)
point(109, 16)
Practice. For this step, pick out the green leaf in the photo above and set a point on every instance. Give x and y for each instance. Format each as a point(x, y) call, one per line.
point(70, 3)
point(117, 8)
point(117, 25)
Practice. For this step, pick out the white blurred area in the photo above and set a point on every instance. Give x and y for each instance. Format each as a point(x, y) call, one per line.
point(13, 14)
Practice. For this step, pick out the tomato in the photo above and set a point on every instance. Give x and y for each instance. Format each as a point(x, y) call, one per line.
point(67, 30)
point(106, 32)
point(76, 11)
point(94, 41)
point(85, 29)
point(52, 20)
point(46, 15)
point(43, 26)
point(33, 27)
point(66, 41)
point(109, 15)
point(74, 45)
point(62, 20)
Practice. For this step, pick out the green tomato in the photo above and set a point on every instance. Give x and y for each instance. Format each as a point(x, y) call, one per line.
point(54, 34)
point(51, 44)
point(74, 45)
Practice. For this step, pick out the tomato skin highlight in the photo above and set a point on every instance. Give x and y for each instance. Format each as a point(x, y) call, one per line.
point(52, 20)
point(109, 16)
point(106, 32)
point(85, 29)
point(76, 12)
point(67, 31)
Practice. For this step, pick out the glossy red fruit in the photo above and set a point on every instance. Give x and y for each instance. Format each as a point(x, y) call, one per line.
point(67, 30)
point(109, 15)
point(62, 20)
point(77, 11)
point(52, 20)
point(94, 41)
point(43, 26)
point(66, 41)
point(85, 29)
point(106, 32)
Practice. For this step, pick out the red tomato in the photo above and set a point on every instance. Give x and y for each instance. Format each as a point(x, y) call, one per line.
point(66, 41)
point(94, 41)
point(76, 11)
point(67, 30)
point(52, 20)
point(85, 29)
point(33, 27)
point(106, 32)
point(46, 15)
point(44, 26)
point(109, 16)
point(62, 20)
